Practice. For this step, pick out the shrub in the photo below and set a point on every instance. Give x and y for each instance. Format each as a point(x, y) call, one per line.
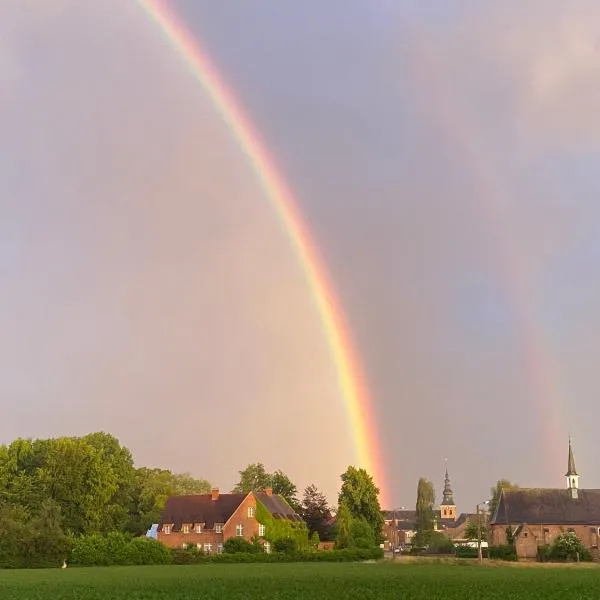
point(440, 544)
point(506, 552)
point(469, 552)
point(568, 547)
point(118, 549)
point(285, 545)
point(239, 545)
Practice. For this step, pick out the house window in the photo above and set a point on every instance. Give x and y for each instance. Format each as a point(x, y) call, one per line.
point(239, 530)
point(250, 512)
point(166, 529)
point(207, 548)
point(184, 545)
point(198, 528)
point(261, 530)
point(267, 547)
point(185, 529)
point(198, 546)
point(219, 548)
point(219, 528)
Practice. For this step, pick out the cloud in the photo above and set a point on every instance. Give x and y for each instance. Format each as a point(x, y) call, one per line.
point(534, 66)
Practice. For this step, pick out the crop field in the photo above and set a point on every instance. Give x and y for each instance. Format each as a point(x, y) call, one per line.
point(306, 581)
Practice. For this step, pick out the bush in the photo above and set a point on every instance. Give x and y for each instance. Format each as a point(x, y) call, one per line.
point(239, 545)
point(506, 552)
point(285, 545)
point(567, 547)
point(118, 549)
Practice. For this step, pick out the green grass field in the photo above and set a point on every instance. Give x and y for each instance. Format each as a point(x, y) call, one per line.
point(306, 581)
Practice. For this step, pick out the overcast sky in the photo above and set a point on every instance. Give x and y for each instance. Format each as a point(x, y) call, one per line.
point(445, 155)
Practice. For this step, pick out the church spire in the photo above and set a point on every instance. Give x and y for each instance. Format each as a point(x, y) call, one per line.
point(448, 494)
point(572, 475)
point(571, 468)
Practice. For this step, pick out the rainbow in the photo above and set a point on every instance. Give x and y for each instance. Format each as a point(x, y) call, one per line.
point(354, 392)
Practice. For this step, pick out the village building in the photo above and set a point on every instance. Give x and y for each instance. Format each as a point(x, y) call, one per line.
point(536, 516)
point(209, 520)
point(400, 525)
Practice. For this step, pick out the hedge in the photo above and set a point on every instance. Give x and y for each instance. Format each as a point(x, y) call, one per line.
point(507, 552)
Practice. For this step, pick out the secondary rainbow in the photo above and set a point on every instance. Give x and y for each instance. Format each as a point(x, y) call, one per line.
point(354, 392)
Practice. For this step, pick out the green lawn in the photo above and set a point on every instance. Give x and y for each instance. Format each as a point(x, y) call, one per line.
point(307, 581)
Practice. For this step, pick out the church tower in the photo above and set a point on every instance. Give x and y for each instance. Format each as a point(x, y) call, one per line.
point(447, 507)
point(571, 475)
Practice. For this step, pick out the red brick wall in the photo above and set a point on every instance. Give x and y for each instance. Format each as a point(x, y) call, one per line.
point(536, 536)
point(240, 516)
point(177, 538)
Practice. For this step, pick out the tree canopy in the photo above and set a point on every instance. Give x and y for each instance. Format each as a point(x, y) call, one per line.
point(424, 512)
point(316, 513)
point(89, 482)
point(255, 478)
point(360, 496)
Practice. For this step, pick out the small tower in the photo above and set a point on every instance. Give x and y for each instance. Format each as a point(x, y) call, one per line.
point(447, 507)
point(571, 475)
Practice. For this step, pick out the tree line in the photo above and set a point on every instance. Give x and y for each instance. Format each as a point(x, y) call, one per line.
point(53, 491)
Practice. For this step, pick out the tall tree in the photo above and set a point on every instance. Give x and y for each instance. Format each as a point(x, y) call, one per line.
point(424, 512)
point(283, 486)
point(343, 526)
point(496, 491)
point(361, 496)
point(316, 513)
point(254, 478)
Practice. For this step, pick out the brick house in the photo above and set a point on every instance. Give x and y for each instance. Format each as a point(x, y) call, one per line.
point(536, 516)
point(208, 520)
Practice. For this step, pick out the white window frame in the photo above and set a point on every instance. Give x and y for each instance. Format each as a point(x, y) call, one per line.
point(239, 530)
point(267, 547)
point(166, 529)
point(198, 528)
point(185, 528)
point(208, 548)
point(261, 530)
point(219, 548)
point(251, 512)
point(218, 527)
point(184, 545)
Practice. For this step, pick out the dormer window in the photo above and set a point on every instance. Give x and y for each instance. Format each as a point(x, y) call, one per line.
point(218, 527)
point(166, 529)
point(198, 528)
point(185, 528)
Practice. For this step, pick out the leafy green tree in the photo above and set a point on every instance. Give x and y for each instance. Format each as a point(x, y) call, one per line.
point(424, 512)
point(76, 477)
point(316, 513)
point(254, 478)
point(472, 531)
point(282, 485)
point(361, 496)
point(315, 540)
point(151, 489)
point(568, 547)
point(362, 533)
point(236, 545)
point(344, 520)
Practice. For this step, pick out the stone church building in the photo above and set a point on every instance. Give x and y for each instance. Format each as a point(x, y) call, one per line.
point(536, 516)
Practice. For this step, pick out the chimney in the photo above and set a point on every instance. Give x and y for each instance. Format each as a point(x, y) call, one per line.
point(269, 491)
point(215, 493)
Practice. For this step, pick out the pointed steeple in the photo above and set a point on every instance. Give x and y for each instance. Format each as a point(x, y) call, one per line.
point(448, 494)
point(571, 469)
point(572, 475)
